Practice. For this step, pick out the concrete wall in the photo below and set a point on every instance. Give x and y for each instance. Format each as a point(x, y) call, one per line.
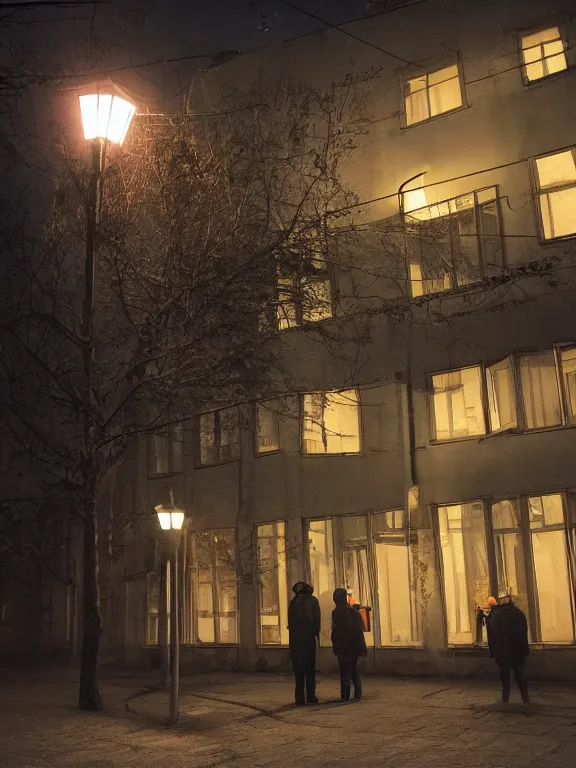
point(488, 142)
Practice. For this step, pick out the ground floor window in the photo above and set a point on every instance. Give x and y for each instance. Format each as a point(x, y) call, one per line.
point(212, 585)
point(272, 580)
point(373, 557)
point(519, 547)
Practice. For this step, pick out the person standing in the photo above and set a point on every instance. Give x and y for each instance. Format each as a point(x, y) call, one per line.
point(304, 631)
point(348, 644)
point(508, 642)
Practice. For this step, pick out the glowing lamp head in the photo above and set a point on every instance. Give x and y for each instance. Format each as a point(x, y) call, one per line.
point(170, 518)
point(106, 116)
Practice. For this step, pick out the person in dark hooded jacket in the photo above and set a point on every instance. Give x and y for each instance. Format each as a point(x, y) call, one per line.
point(304, 631)
point(348, 644)
point(508, 642)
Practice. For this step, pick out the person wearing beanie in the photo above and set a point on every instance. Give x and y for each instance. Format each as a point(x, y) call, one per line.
point(304, 631)
point(348, 644)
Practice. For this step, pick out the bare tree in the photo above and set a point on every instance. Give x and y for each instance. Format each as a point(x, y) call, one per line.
point(199, 226)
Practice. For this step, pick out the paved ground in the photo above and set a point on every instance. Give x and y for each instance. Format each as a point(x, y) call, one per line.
point(246, 721)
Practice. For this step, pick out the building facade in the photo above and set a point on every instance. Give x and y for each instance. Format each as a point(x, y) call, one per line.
point(438, 469)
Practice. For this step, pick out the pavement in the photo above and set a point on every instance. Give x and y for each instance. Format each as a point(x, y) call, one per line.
point(237, 720)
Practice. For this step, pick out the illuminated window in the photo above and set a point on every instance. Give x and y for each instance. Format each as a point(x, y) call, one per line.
point(397, 579)
point(304, 294)
point(540, 393)
point(457, 401)
point(455, 242)
point(531, 552)
point(432, 94)
point(331, 422)
point(340, 551)
point(166, 450)
point(219, 436)
point(556, 180)
point(464, 568)
point(322, 572)
point(214, 587)
point(272, 584)
point(543, 54)
point(501, 395)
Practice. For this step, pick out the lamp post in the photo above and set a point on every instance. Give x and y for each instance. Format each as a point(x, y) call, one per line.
point(106, 116)
point(171, 520)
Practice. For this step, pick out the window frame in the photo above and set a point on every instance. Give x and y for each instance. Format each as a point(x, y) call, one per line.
point(198, 454)
point(562, 22)
point(298, 288)
point(484, 402)
point(411, 73)
point(524, 531)
point(256, 564)
point(191, 591)
point(540, 192)
point(568, 420)
point(169, 436)
point(301, 418)
point(411, 537)
point(480, 245)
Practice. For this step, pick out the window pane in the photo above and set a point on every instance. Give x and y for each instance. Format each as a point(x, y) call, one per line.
point(351, 537)
point(559, 213)
point(203, 545)
point(331, 422)
point(490, 240)
point(465, 568)
point(316, 300)
point(268, 421)
point(556, 170)
point(153, 605)
point(542, 36)
point(540, 390)
point(568, 357)
point(160, 455)
point(464, 247)
point(416, 100)
point(458, 404)
point(321, 556)
point(273, 587)
point(177, 447)
point(396, 583)
point(207, 439)
point(229, 434)
point(446, 95)
point(508, 546)
point(286, 312)
point(555, 58)
point(226, 585)
point(501, 399)
point(551, 569)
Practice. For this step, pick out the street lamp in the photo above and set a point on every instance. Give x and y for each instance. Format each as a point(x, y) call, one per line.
point(171, 520)
point(106, 115)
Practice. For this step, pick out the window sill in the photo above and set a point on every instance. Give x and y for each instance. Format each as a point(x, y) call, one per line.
point(327, 455)
point(263, 454)
point(273, 646)
point(510, 431)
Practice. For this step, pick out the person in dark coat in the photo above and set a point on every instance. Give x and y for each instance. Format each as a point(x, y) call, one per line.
point(508, 642)
point(348, 644)
point(304, 631)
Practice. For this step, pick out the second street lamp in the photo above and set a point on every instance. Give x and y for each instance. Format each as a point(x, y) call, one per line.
point(171, 520)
